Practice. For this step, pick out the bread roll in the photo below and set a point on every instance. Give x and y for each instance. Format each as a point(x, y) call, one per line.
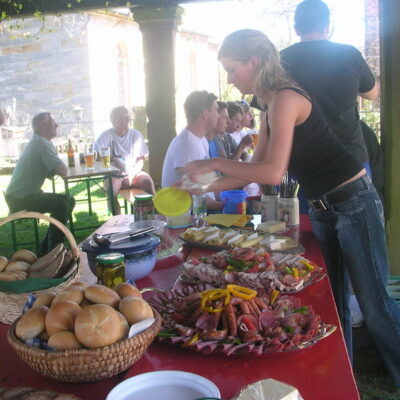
point(32, 323)
point(100, 294)
point(61, 316)
point(72, 293)
point(24, 255)
point(12, 275)
point(85, 303)
point(97, 326)
point(3, 263)
point(18, 266)
point(80, 284)
point(44, 299)
point(64, 340)
point(126, 289)
point(124, 326)
point(135, 309)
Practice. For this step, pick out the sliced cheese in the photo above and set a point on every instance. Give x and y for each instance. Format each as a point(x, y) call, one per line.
point(269, 389)
point(272, 226)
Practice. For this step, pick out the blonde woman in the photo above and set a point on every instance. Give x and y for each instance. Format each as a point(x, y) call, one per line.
point(345, 209)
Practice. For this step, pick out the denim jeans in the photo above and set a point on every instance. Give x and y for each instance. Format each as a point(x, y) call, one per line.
point(59, 206)
point(352, 238)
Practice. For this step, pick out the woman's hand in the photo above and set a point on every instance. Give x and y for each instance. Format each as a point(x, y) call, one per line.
point(196, 168)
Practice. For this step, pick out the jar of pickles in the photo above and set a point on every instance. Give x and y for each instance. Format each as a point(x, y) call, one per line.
point(110, 269)
point(144, 207)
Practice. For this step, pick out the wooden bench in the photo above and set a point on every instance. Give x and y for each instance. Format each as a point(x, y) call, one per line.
point(129, 197)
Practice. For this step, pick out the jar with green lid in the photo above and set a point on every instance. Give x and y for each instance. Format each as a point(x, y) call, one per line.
point(144, 207)
point(110, 269)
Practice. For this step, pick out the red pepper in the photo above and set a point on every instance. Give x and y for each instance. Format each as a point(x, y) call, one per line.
point(253, 269)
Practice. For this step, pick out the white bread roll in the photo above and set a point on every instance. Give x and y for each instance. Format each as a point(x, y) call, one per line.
point(135, 309)
point(80, 284)
point(100, 294)
point(124, 326)
point(64, 340)
point(72, 293)
point(3, 263)
point(32, 323)
point(24, 255)
point(97, 326)
point(61, 316)
point(18, 266)
point(44, 299)
point(126, 289)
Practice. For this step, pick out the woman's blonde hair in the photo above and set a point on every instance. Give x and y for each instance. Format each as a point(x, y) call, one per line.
point(241, 45)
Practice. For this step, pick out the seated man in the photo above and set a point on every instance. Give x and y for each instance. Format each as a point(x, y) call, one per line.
point(191, 144)
point(128, 151)
point(39, 161)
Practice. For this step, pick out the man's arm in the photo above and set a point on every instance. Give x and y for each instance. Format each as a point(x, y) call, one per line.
point(61, 169)
point(372, 94)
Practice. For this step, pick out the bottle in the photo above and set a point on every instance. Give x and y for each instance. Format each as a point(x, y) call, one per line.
point(199, 209)
point(70, 154)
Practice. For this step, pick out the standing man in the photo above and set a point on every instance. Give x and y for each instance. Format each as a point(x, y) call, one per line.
point(128, 151)
point(334, 74)
point(201, 112)
point(39, 161)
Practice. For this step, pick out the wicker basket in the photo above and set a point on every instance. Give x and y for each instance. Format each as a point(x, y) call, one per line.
point(86, 365)
point(11, 305)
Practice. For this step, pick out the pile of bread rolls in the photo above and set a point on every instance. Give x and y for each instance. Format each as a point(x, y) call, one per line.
point(58, 263)
point(83, 316)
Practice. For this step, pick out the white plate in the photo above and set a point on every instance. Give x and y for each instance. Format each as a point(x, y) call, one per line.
point(164, 385)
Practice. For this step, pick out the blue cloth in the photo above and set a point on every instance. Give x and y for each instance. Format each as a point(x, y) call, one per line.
point(352, 238)
point(213, 148)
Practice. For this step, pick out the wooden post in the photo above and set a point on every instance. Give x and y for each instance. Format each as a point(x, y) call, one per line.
point(158, 27)
point(390, 73)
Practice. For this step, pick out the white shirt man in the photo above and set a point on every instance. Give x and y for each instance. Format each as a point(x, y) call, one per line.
point(127, 153)
point(201, 111)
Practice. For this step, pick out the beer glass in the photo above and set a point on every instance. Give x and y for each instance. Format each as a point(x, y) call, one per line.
point(105, 157)
point(89, 157)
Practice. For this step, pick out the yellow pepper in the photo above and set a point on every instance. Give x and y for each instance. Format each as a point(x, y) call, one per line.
point(242, 292)
point(309, 266)
point(192, 340)
point(214, 294)
point(273, 296)
point(295, 272)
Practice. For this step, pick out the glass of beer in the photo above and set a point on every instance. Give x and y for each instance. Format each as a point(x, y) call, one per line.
point(254, 137)
point(105, 157)
point(89, 159)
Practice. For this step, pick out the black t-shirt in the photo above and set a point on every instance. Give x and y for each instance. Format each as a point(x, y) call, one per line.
point(333, 74)
point(319, 159)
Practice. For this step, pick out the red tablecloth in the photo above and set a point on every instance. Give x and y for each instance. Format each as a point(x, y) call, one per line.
point(319, 372)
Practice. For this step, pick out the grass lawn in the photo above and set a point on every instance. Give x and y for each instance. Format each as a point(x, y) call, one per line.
point(372, 378)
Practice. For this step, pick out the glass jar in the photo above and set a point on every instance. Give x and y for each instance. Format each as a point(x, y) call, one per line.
point(143, 207)
point(110, 269)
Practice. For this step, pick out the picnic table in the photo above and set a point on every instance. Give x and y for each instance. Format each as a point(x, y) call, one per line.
point(320, 372)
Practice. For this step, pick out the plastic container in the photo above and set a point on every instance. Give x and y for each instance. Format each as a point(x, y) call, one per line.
point(140, 254)
point(179, 221)
point(234, 201)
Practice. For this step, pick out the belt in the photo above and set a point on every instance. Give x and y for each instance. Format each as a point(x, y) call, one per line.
point(340, 194)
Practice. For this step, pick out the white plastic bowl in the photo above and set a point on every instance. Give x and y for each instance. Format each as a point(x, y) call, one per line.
point(164, 385)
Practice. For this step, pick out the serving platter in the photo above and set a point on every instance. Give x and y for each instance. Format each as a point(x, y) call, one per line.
point(295, 249)
point(279, 326)
point(285, 272)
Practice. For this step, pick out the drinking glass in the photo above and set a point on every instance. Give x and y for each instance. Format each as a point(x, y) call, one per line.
point(89, 157)
point(199, 209)
point(105, 157)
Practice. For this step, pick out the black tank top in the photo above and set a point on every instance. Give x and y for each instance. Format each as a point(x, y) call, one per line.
point(319, 160)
